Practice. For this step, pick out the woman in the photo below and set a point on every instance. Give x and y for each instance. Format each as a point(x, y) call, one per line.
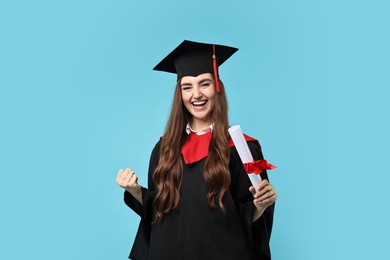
point(199, 203)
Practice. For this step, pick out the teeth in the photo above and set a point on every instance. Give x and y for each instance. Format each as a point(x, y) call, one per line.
point(199, 103)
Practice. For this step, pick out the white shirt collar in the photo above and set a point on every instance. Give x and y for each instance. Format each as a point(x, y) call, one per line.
point(200, 132)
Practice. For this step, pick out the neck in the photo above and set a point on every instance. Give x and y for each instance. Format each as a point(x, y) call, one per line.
point(197, 125)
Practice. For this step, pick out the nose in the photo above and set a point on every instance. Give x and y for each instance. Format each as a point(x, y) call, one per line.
point(197, 93)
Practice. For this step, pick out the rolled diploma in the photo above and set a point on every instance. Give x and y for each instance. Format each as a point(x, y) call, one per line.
point(243, 151)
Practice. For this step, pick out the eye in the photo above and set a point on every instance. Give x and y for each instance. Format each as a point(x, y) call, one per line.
point(186, 88)
point(205, 85)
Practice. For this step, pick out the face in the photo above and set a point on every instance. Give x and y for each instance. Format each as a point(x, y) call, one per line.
point(198, 94)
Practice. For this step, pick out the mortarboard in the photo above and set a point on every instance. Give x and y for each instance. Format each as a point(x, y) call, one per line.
point(194, 58)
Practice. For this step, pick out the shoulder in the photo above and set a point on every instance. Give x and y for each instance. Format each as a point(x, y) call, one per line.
point(254, 147)
point(251, 141)
point(156, 151)
point(157, 145)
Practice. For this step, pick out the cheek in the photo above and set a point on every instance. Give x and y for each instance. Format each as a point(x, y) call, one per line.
point(183, 97)
point(186, 99)
point(212, 103)
point(212, 99)
point(210, 93)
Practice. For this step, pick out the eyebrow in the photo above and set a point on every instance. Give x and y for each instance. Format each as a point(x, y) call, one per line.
point(200, 82)
point(205, 80)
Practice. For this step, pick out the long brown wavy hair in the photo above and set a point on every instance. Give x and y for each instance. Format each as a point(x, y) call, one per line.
point(168, 174)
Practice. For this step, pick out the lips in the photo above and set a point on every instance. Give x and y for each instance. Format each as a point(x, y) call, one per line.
point(199, 103)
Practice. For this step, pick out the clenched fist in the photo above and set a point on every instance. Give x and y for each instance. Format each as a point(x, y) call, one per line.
point(128, 180)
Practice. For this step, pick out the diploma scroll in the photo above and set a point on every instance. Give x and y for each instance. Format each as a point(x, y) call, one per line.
point(243, 151)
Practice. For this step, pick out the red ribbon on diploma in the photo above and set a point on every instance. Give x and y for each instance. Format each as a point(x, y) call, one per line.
point(258, 166)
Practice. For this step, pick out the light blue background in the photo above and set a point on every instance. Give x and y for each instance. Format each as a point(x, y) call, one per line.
point(79, 100)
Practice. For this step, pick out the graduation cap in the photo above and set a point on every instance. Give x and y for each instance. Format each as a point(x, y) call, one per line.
point(194, 58)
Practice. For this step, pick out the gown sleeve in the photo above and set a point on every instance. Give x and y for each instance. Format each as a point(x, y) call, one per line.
point(140, 249)
point(258, 232)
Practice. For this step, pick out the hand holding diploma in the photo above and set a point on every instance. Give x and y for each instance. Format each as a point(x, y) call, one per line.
point(263, 192)
point(263, 196)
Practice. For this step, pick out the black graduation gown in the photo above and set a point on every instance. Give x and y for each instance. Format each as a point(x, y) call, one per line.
point(197, 232)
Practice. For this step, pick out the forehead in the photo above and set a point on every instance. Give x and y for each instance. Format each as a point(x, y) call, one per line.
point(199, 78)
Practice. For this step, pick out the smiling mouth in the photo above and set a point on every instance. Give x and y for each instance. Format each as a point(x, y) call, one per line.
point(199, 103)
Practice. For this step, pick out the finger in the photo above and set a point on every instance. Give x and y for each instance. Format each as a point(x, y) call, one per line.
point(119, 175)
point(269, 200)
point(258, 195)
point(126, 173)
point(120, 178)
point(252, 190)
point(128, 177)
point(133, 180)
point(122, 174)
point(257, 201)
point(267, 195)
point(262, 184)
point(266, 200)
point(263, 191)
